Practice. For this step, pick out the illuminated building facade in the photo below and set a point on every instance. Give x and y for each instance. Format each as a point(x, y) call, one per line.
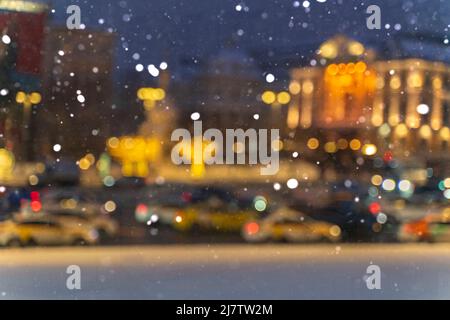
point(22, 26)
point(351, 99)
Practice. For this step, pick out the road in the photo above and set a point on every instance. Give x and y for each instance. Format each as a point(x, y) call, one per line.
point(409, 271)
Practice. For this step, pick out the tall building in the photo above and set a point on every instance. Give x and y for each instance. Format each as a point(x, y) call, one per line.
point(77, 111)
point(22, 26)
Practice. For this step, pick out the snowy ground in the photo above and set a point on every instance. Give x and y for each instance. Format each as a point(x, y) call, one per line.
point(228, 272)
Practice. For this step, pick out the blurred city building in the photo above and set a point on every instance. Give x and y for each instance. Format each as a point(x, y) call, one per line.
point(345, 104)
point(22, 26)
point(224, 92)
point(78, 93)
point(353, 103)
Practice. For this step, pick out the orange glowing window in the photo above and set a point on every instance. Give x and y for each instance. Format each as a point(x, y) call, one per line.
point(348, 87)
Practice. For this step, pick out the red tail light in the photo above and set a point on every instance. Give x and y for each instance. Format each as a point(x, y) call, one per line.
point(36, 206)
point(141, 210)
point(374, 208)
point(186, 197)
point(252, 228)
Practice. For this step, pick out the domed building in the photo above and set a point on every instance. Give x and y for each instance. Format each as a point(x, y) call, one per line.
point(355, 98)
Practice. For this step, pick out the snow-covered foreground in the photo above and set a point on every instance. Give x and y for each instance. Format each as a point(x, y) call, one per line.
point(228, 272)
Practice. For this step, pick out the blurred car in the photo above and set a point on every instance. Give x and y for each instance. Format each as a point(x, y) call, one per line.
point(214, 215)
point(376, 221)
point(203, 219)
point(70, 201)
point(46, 231)
point(360, 216)
point(158, 204)
point(130, 182)
point(188, 207)
point(287, 224)
point(106, 226)
point(431, 228)
point(413, 208)
point(157, 213)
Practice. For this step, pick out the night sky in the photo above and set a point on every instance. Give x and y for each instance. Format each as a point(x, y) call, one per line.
point(174, 30)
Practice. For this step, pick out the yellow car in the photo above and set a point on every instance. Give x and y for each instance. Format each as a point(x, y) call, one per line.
point(286, 224)
point(45, 232)
point(105, 225)
point(212, 219)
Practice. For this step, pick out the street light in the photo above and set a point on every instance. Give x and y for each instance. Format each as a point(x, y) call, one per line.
point(276, 99)
point(28, 100)
point(150, 96)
